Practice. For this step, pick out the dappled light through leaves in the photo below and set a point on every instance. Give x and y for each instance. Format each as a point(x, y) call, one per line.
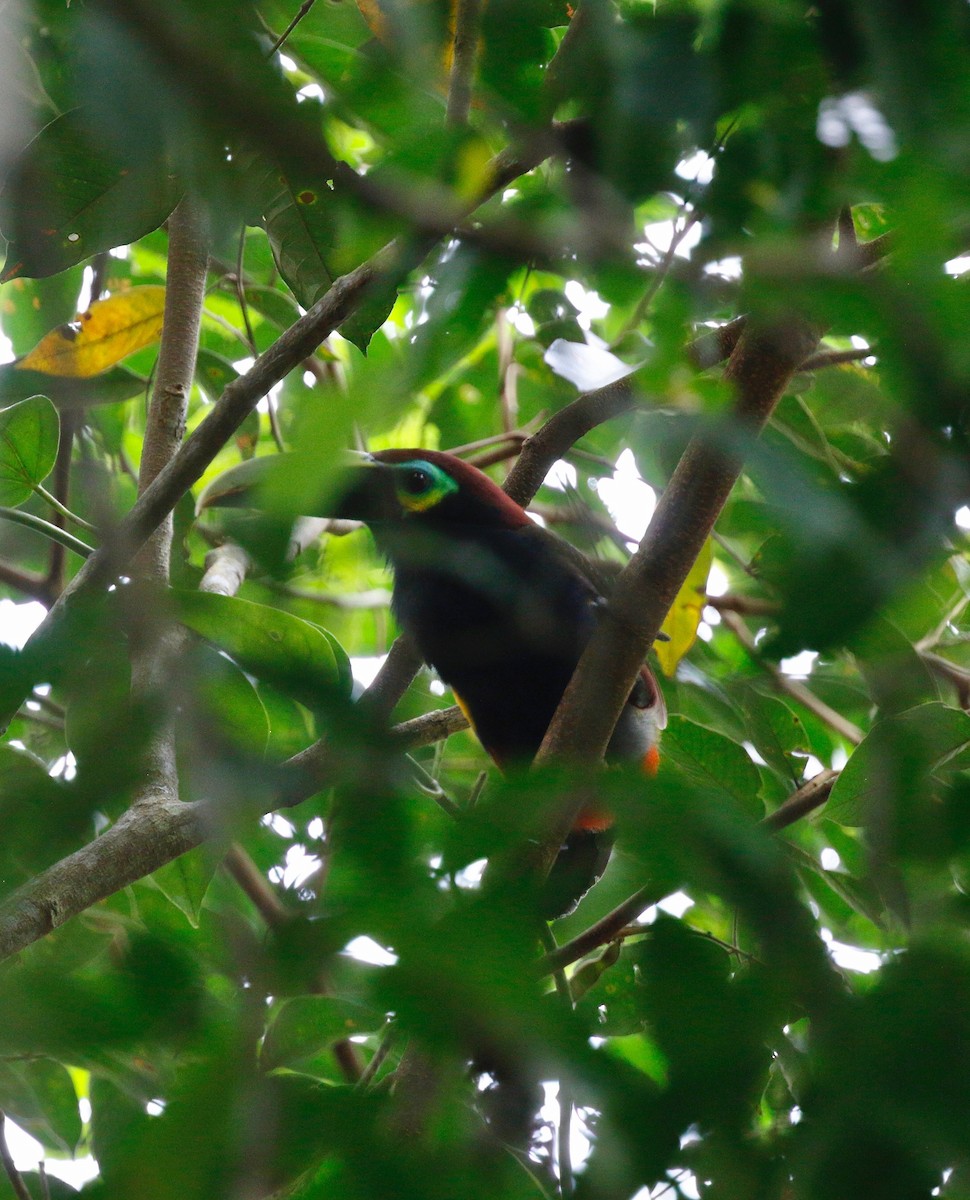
point(688, 281)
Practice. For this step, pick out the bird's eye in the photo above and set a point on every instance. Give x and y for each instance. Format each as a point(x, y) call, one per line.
point(417, 482)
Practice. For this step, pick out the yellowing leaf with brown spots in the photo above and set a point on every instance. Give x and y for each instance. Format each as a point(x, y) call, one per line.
point(685, 614)
point(95, 340)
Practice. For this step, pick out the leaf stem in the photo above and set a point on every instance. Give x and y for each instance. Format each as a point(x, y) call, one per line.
point(39, 525)
point(65, 512)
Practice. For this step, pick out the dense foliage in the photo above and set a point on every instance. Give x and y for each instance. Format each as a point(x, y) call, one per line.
point(416, 226)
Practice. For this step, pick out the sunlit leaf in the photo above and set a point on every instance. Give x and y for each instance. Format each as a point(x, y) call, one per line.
point(97, 339)
point(29, 434)
point(71, 391)
point(40, 1096)
point(681, 622)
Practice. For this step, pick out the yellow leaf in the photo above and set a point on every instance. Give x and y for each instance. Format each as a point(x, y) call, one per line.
point(95, 340)
point(685, 614)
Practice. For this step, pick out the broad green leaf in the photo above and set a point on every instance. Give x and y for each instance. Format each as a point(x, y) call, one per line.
point(67, 198)
point(186, 880)
point(95, 340)
point(901, 752)
point(303, 1026)
point(282, 649)
point(229, 703)
point(214, 372)
point(67, 391)
point(710, 760)
point(29, 434)
point(39, 1095)
point(776, 732)
point(681, 622)
point(305, 219)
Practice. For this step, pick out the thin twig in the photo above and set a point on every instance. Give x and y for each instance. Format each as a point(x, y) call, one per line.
point(957, 676)
point(565, 1098)
point(835, 358)
point(27, 582)
point(808, 798)
point(61, 537)
point(749, 606)
point(304, 9)
point(378, 1058)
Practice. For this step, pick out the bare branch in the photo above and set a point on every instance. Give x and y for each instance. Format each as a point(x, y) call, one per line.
point(225, 570)
point(807, 799)
point(155, 643)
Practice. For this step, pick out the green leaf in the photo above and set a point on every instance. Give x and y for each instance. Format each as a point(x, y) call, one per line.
point(68, 198)
point(712, 761)
point(304, 1025)
point(39, 1095)
point(899, 755)
point(229, 703)
point(777, 733)
point(29, 434)
point(284, 650)
point(110, 388)
point(186, 880)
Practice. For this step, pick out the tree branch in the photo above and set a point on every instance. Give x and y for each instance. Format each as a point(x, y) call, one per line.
point(760, 368)
point(156, 642)
point(16, 1180)
point(464, 54)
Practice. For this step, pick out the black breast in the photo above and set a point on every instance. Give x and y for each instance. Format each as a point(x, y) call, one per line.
point(503, 619)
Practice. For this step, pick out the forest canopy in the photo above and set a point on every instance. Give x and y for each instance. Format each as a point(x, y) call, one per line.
point(688, 278)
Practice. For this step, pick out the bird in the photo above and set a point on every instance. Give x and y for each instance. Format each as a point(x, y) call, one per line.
point(499, 606)
point(502, 609)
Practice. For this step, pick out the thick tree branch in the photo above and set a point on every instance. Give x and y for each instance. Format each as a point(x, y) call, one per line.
point(155, 643)
point(149, 835)
point(760, 368)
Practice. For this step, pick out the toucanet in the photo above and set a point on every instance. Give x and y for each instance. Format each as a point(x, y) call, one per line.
point(502, 609)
